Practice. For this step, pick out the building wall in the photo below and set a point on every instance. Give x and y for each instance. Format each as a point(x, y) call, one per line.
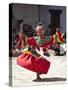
point(45, 16)
point(29, 13)
point(26, 12)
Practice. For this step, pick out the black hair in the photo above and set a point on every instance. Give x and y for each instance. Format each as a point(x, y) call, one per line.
point(28, 30)
point(40, 24)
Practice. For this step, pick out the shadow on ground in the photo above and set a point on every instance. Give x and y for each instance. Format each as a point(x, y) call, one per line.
point(49, 79)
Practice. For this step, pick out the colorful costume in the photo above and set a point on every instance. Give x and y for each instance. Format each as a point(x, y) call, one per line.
point(58, 39)
point(32, 62)
point(20, 41)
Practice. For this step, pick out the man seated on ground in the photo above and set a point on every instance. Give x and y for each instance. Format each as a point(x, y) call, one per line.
point(58, 39)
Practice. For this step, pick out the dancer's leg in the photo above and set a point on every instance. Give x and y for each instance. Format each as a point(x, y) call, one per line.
point(38, 76)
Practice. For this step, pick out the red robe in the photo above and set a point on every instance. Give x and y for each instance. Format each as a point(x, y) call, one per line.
point(31, 41)
point(19, 45)
point(33, 63)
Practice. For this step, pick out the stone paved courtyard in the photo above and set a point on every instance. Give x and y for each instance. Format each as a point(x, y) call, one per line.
point(55, 75)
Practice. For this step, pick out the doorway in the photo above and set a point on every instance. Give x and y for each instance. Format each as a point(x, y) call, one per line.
point(54, 20)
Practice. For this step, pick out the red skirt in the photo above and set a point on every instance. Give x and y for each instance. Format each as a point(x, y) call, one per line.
point(35, 64)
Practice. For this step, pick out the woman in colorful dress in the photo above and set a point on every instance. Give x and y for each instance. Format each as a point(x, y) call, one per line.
point(32, 60)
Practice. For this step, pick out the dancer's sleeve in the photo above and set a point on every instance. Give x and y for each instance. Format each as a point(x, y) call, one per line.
point(49, 43)
point(31, 41)
point(33, 46)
